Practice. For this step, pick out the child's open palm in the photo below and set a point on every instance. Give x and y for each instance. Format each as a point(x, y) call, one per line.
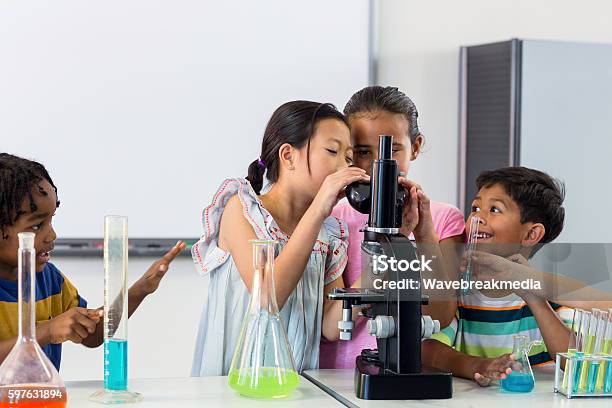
point(149, 282)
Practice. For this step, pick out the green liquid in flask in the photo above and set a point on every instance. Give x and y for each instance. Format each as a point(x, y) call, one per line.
point(270, 383)
point(263, 365)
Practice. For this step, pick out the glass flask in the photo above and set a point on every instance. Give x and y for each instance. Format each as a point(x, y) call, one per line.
point(521, 378)
point(263, 365)
point(27, 377)
point(115, 314)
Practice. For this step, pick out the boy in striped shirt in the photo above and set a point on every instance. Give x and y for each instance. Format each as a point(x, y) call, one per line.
point(519, 209)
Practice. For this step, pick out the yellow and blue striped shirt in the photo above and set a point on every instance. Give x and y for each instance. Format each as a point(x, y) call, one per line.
point(54, 296)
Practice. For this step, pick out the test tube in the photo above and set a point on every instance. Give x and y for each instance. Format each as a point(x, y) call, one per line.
point(115, 314)
point(580, 342)
point(571, 348)
point(470, 247)
point(605, 384)
point(597, 352)
point(589, 347)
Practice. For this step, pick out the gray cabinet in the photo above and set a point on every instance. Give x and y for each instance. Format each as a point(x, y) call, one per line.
point(545, 105)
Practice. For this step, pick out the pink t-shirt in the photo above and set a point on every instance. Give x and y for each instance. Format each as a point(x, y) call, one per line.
point(448, 221)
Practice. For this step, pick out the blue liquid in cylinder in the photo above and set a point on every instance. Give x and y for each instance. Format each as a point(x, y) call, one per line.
point(517, 382)
point(115, 365)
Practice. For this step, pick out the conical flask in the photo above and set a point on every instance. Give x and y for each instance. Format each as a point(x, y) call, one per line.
point(27, 377)
point(263, 365)
point(521, 378)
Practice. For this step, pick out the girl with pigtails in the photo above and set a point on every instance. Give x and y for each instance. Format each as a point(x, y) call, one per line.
point(306, 156)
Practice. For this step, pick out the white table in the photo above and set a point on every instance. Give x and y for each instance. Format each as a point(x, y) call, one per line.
point(339, 384)
point(197, 392)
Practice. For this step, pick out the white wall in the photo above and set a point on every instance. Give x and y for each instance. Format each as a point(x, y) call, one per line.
point(419, 52)
point(143, 107)
point(549, 144)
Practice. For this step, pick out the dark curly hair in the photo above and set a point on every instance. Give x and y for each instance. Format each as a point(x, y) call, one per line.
point(18, 177)
point(539, 196)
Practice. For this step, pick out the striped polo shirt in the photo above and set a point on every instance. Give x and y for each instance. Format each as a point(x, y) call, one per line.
point(485, 326)
point(54, 296)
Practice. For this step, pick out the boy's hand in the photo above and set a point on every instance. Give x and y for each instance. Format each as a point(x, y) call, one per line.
point(491, 265)
point(149, 282)
point(75, 325)
point(486, 267)
point(490, 369)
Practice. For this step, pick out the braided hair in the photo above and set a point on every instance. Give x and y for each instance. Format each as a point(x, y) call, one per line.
point(18, 177)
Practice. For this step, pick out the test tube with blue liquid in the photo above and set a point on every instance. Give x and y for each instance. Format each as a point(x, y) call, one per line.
point(604, 380)
point(115, 315)
point(583, 331)
point(571, 350)
point(595, 364)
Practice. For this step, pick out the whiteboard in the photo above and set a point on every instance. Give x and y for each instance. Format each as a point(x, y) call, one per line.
point(142, 108)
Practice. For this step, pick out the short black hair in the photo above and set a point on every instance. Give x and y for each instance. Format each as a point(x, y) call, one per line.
point(18, 176)
point(538, 195)
point(372, 99)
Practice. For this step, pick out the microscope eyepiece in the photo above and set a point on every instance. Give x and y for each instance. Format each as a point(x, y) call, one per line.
point(383, 197)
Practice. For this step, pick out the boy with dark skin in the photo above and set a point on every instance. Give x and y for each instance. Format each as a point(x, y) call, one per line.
point(76, 324)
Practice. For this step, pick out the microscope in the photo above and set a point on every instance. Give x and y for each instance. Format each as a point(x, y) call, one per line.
point(393, 371)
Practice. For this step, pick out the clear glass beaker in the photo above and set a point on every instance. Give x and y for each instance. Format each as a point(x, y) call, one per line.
point(521, 378)
point(27, 377)
point(115, 314)
point(263, 365)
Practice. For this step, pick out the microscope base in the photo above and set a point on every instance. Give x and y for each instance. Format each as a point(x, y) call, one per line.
point(374, 383)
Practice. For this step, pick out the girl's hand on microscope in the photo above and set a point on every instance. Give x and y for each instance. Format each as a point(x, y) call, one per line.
point(416, 216)
point(332, 189)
